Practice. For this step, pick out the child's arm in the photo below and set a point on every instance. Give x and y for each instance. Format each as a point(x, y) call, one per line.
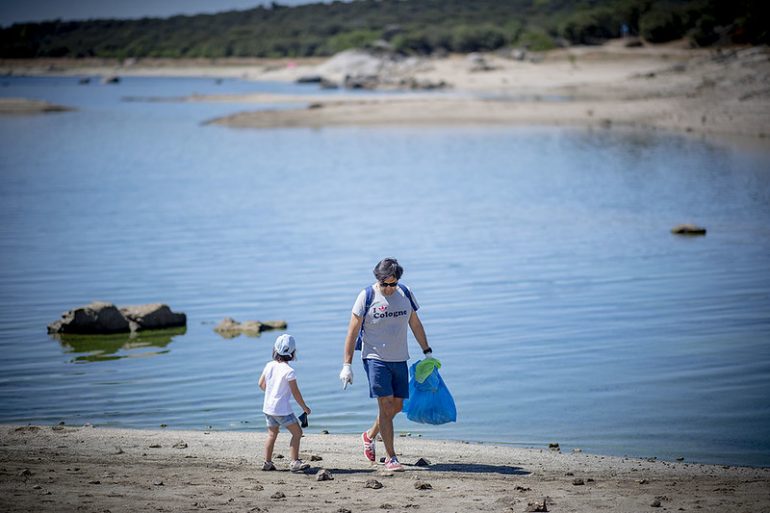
point(298, 396)
point(262, 383)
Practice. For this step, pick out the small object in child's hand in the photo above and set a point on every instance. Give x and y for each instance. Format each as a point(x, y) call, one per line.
point(303, 419)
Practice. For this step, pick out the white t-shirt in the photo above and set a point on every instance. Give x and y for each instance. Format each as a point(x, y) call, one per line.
point(385, 325)
point(277, 392)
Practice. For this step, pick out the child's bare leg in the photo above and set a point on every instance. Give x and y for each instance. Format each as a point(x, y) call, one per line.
point(296, 436)
point(272, 434)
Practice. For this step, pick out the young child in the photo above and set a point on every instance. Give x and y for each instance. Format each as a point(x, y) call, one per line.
point(278, 381)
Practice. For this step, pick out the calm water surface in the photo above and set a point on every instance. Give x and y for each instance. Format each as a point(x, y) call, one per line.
point(562, 308)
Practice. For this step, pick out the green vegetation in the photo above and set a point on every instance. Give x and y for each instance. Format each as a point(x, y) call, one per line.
point(410, 26)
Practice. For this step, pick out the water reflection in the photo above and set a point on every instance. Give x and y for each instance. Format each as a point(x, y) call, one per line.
point(98, 348)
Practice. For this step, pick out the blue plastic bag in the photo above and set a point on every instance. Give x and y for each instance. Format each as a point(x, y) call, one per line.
point(430, 401)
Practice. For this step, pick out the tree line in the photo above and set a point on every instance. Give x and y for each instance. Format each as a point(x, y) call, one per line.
point(408, 26)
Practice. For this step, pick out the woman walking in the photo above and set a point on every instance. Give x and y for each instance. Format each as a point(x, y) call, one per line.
point(379, 323)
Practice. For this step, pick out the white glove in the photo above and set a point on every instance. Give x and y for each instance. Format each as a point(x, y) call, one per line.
point(429, 355)
point(346, 375)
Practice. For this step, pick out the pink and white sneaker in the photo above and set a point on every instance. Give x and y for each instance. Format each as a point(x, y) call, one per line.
point(393, 465)
point(369, 451)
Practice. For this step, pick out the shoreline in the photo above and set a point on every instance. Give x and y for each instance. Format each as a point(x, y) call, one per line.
point(63, 468)
point(710, 92)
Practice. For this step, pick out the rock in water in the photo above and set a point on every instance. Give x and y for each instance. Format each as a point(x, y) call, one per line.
point(97, 318)
point(230, 328)
point(688, 229)
point(102, 318)
point(153, 317)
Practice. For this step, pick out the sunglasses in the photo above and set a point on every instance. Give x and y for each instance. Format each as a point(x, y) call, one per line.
point(382, 283)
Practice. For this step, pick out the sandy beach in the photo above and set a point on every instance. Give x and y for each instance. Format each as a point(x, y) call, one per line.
point(669, 87)
point(63, 468)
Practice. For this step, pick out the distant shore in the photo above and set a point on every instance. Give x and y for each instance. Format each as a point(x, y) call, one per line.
point(722, 92)
point(64, 468)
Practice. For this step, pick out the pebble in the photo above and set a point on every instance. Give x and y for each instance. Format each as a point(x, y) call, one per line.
point(578, 482)
point(536, 506)
point(324, 475)
point(181, 444)
point(315, 457)
point(373, 483)
point(422, 462)
point(419, 485)
point(278, 495)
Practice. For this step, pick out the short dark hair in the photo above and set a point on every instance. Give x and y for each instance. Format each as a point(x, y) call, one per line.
point(282, 358)
point(386, 268)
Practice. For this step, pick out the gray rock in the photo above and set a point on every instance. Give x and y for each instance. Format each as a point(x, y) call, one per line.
point(422, 462)
point(324, 475)
point(153, 317)
point(329, 84)
point(102, 318)
point(272, 325)
point(688, 229)
point(373, 483)
point(537, 506)
point(309, 79)
point(229, 327)
point(420, 485)
point(97, 318)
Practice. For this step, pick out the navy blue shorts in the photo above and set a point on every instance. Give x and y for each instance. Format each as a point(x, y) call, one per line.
point(387, 378)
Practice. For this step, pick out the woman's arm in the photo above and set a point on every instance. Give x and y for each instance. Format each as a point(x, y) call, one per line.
point(354, 328)
point(419, 331)
point(298, 396)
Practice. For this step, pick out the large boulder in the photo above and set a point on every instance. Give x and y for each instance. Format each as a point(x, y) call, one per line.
point(102, 318)
point(93, 319)
point(153, 317)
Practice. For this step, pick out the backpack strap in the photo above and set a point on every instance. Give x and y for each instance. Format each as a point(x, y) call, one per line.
point(367, 306)
point(408, 295)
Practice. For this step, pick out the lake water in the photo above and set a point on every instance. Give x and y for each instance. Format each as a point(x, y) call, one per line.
point(562, 308)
